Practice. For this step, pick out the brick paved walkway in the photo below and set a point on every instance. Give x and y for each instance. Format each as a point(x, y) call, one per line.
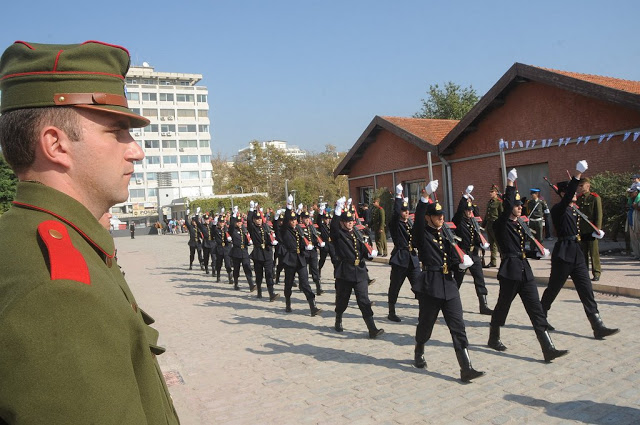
point(234, 359)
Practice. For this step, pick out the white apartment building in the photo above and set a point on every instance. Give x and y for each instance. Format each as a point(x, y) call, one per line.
point(177, 143)
point(245, 154)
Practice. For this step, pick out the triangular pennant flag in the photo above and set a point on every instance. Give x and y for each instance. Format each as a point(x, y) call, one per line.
point(600, 138)
point(543, 143)
point(527, 143)
point(561, 141)
point(635, 135)
point(513, 144)
point(609, 136)
point(549, 142)
point(567, 140)
point(520, 143)
point(626, 136)
point(586, 139)
point(533, 143)
point(501, 144)
point(579, 140)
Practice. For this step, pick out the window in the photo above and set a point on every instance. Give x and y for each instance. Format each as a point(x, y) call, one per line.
point(204, 143)
point(151, 144)
point(206, 174)
point(136, 193)
point(167, 113)
point(202, 98)
point(133, 96)
point(153, 193)
point(189, 175)
point(152, 176)
point(203, 128)
point(205, 158)
point(170, 159)
point(186, 128)
point(188, 113)
point(184, 97)
point(203, 113)
point(412, 191)
point(366, 195)
point(174, 175)
point(169, 128)
point(148, 81)
point(168, 144)
point(135, 110)
point(188, 159)
point(166, 97)
point(132, 81)
point(188, 143)
point(166, 82)
point(184, 83)
point(151, 97)
point(151, 128)
point(150, 113)
point(153, 160)
point(135, 177)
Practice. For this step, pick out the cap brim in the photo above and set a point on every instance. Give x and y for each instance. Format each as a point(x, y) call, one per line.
point(135, 120)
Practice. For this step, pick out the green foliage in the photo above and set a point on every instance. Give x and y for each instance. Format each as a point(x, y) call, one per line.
point(8, 181)
point(612, 188)
point(452, 102)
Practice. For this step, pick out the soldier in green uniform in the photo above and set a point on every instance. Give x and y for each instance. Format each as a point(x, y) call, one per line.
point(76, 347)
point(590, 204)
point(494, 209)
point(537, 209)
point(378, 224)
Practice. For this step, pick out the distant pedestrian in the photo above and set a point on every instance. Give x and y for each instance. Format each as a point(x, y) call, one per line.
point(132, 230)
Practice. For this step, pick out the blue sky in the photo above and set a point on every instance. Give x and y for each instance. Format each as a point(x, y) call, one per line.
point(317, 72)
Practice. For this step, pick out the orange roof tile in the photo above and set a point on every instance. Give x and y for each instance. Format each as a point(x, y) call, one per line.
point(430, 130)
point(614, 83)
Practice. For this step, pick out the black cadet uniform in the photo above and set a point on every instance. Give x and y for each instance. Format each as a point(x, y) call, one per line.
point(208, 244)
point(470, 244)
point(568, 260)
point(516, 278)
point(240, 252)
point(223, 248)
point(328, 248)
point(537, 210)
point(292, 250)
point(195, 241)
point(404, 257)
point(436, 290)
point(279, 251)
point(262, 254)
point(311, 256)
point(350, 271)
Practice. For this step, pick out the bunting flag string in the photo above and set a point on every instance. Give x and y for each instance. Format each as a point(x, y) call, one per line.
point(564, 141)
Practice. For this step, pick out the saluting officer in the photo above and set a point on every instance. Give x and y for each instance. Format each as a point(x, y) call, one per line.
point(223, 246)
point(568, 260)
point(494, 210)
point(262, 254)
point(404, 257)
point(515, 275)
point(590, 204)
point(435, 289)
point(537, 209)
point(76, 348)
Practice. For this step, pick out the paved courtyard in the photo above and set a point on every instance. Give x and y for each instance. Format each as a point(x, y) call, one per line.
point(235, 359)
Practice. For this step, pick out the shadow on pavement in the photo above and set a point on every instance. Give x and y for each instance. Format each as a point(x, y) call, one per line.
point(585, 411)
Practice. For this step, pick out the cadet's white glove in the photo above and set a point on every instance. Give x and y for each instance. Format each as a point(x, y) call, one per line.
point(466, 263)
point(290, 199)
point(250, 242)
point(235, 210)
point(546, 254)
point(274, 242)
point(322, 244)
point(252, 205)
point(374, 253)
point(261, 209)
point(188, 211)
point(598, 235)
point(215, 220)
point(222, 210)
point(309, 247)
point(582, 166)
point(546, 211)
point(406, 199)
point(399, 189)
point(485, 245)
point(431, 187)
point(513, 175)
point(469, 189)
point(198, 210)
point(349, 202)
point(229, 239)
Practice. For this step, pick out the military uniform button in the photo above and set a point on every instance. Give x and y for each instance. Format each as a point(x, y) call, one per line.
point(55, 234)
point(109, 262)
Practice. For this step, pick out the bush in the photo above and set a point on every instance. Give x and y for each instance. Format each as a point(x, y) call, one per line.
point(612, 188)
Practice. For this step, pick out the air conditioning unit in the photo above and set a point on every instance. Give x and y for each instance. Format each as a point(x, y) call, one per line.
point(163, 134)
point(138, 181)
point(170, 117)
point(169, 133)
point(137, 134)
point(162, 118)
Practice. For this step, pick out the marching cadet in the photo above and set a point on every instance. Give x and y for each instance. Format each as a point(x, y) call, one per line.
point(223, 246)
point(76, 347)
point(537, 209)
point(195, 241)
point(471, 242)
point(208, 243)
point(262, 254)
point(240, 240)
point(494, 210)
point(404, 257)
point(568, 259)
point(350, 268)
point(590, 204)
point(293, 246)
point(312, 235)
point(324, 223)
point(435, 289)
point(515, 275)
point(279, 251)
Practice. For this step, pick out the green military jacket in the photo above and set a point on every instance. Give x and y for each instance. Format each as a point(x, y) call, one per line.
point(494, 209)
point(377, 218)
point(591, 205)
point(537, 212)
point(75, 348)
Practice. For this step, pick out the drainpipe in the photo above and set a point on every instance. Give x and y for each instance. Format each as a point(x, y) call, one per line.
point(448, 193)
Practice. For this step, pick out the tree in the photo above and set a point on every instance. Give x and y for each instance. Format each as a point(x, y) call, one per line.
point(452, 102)
point(8, 181)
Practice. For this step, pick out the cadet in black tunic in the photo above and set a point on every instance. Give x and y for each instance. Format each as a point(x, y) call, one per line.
point(262, 254)
point(195, 241)
point(350, 269)
point(324, 221)
point(311, 234)
point(435, 289)
point(471, 245)
point(223, 247)
point(208, 243)
point(515, 275)
point(240, 240)
point(292, 249)
point(404, 257)
point(568, 258)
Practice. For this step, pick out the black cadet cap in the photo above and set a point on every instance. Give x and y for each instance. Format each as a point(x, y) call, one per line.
point(347, 216)
point(434, 208)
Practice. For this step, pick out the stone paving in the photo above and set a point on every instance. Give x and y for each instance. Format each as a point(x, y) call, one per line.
point(235, 359)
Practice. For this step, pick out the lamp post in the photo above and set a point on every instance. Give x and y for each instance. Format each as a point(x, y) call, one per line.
point(293, 192)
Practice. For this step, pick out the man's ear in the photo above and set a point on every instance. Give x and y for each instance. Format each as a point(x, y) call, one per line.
point(54, 146)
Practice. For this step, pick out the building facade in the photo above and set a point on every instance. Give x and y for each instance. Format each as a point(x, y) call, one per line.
point(246, 154)
point(177, 144)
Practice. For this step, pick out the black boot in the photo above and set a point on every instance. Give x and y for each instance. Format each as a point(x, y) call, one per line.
point(287, 304)
point(484, 305)
point(230, 278)
point(319, 290)
point(548, 349)
point(201, 266)
point(418, 358)
point(218, 276)
point(259, 285)
point(235, 284)
point(252, 286)
point(392, 313)
point(314, 308)
point(338, 326)
point(373, 331)
point(272, 295)
point(549, 327)
point(467, 372)
point(599, 329)
point(206, 269)
point(190, 266)
point(494, 339)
